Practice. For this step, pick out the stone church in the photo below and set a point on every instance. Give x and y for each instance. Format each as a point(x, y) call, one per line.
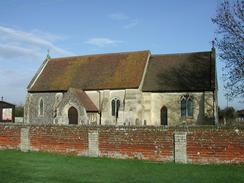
point(128, 88)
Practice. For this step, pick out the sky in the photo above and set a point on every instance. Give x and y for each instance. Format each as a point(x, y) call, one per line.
point(78, 27)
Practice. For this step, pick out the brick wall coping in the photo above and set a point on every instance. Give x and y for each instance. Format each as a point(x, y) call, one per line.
point(214, 127)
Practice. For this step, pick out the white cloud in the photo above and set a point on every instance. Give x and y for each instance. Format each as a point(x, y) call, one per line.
point(17, 46)
point(15, 78)
point(11, 51)
point(47, 35)
point(118, 16)
point(16, 43)
point(132, 23)
point(14, 84)
point(125, 19)
point(102, 42)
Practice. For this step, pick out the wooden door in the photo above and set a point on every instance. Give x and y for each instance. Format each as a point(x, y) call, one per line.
point(164, 116)
point(73, 115)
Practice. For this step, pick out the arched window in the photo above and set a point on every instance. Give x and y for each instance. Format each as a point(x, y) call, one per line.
point(183, 106)
point(115, 107)
point(189, 107)
point(41, 107)
point(186, 106)
point(164, 115)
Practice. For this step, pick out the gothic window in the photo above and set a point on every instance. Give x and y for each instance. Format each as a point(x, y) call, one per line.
point(164, 115)
point(183, 107)
point(189, 107)
point(186, 106)
point(115, 107)
point(41, 107)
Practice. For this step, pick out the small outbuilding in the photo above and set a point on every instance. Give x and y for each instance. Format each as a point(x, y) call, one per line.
point(240, 116)
point(7, 111)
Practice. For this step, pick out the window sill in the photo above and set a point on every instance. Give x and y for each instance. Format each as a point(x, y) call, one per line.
point(186, 118)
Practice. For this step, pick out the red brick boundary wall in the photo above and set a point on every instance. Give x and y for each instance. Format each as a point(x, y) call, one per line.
point(61, 139)
point(185, 145)
point(224, 145)
point(9, 136)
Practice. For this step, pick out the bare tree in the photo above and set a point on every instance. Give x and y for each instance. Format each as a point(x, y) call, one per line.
point(230, 42)
point(228, 116)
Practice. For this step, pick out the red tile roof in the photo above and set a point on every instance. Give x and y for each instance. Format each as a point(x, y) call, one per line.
point(180, 72)
point(165, 73)
point(92, 72)
point(84, 100)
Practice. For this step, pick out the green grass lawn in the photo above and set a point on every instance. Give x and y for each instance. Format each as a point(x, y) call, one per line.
point(29, 167)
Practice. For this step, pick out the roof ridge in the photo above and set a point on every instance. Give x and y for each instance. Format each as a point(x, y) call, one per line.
point(99, 54)
point(182, 53)
point(7, 102)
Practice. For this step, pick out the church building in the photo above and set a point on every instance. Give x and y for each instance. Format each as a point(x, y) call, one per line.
point(127, 88)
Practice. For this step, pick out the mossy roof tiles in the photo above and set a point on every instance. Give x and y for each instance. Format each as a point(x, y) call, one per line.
point(92, 72)
point(84, 100)
point(165, 73)
point(180, 72)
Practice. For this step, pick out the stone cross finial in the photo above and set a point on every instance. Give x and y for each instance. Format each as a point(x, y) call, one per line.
point(48, 54)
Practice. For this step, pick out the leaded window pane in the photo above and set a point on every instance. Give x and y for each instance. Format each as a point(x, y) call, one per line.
point(117, 108)
point(189, 107)
point(183, 107)
point(113, 108)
